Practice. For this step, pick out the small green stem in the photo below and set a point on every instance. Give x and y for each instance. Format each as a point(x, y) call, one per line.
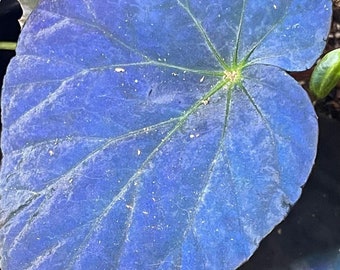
point(8, 45)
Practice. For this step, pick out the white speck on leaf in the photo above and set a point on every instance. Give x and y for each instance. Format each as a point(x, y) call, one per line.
point(119, 69)
point(192, 136)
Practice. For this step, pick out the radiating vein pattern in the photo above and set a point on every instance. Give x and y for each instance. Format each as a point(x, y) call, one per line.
point(148, 135)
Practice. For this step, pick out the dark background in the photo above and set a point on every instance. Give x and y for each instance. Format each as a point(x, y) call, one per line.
point(309, 238)
point(10, 11)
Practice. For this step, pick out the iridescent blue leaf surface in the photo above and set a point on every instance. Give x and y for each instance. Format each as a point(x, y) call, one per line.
point(155, 134)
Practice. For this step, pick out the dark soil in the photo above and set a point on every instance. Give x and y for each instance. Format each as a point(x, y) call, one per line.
point(309, 238)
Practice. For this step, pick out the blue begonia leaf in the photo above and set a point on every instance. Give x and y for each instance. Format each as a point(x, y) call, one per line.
point(155, 134)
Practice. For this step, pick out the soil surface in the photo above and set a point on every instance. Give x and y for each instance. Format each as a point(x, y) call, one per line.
point(309, 238)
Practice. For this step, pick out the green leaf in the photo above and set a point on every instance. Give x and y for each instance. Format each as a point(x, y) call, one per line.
point(155, 134)
point(326, 74)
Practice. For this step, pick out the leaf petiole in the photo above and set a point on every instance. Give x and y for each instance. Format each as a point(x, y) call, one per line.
point(8, 45)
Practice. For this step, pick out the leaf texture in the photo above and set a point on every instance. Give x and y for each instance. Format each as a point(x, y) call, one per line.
point(126, 147)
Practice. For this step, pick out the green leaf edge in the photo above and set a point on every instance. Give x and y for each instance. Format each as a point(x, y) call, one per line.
point(326, 74)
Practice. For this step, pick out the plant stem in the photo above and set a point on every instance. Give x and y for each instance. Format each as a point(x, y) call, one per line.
point(7, 45)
